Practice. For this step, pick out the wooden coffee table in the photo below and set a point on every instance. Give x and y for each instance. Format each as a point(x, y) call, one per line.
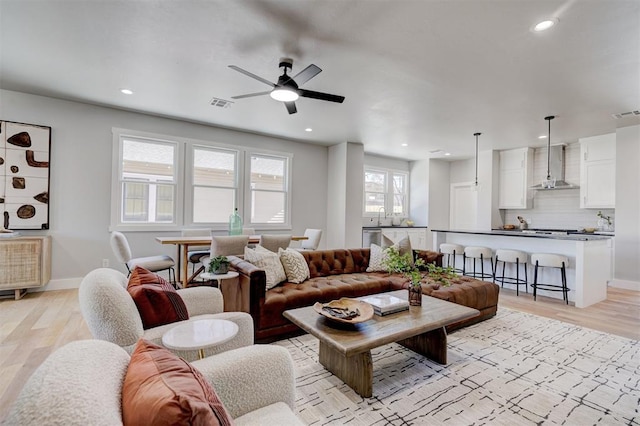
point(346, 350)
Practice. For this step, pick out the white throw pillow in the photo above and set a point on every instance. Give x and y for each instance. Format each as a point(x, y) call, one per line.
point(295, 266)
point(269, 261)
point(377, 257)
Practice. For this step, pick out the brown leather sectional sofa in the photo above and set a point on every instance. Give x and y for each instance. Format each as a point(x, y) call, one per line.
point(336, 274)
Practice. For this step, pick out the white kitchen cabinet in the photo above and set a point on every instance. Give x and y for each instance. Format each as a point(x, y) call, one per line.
point(417, 236)
point(516, 168)
point(25, 262)
point(598, 172)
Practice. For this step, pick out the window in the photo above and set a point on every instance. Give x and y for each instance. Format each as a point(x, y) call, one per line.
point(215, 184)
point(385, 191)
point(164, 183)
point(269, 189)
point(147, 181)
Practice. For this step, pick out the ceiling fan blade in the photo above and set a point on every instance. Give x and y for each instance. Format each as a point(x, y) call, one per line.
point(291, 107)
point(320, 95)
point(306, 74)
point(247, 73)
point(250, 95)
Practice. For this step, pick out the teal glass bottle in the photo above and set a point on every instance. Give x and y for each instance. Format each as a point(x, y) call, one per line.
point(235, 223)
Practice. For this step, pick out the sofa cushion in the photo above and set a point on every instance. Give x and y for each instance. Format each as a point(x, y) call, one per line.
point(269, 261)
point(163, 389)
point(157, 301)
point(403, 246)
point(294, 264)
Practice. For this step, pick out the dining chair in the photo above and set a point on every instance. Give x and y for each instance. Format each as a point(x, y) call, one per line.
point(273, 242)
point(226, 245)
point(198, 252)
point(313, 239)
point(122, 250)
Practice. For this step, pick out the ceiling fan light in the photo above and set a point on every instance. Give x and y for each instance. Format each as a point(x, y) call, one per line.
point(283, 94)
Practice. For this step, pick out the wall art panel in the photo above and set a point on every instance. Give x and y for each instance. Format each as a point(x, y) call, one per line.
point(24, 175)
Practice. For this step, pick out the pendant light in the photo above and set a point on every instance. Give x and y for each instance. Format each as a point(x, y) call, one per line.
point(476, 186)
point(550, 181)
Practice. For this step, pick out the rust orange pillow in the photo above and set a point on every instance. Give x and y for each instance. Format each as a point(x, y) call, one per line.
point(157, 301)
point(162, 389)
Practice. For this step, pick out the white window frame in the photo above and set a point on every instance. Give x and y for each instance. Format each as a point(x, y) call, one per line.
point(117, 187)
point(183, 203)
point(189, 193)
point(247, 195)
point(389, 193)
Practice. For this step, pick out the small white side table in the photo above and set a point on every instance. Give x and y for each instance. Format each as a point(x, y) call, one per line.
point(209, 276)
point(199, 335)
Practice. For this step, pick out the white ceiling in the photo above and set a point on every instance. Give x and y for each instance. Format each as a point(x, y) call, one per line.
point(425, 73)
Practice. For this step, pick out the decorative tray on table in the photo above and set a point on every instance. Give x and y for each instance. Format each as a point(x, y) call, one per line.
point(345, 310)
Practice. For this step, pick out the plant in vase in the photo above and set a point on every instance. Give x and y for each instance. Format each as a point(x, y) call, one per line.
point(604, 221)
point(402, 264)
point(441, 275)
point(219, 265)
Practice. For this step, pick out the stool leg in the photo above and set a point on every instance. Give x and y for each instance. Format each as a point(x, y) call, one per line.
point(481, 267)
point(535, 281)
point(517, 277)
point(493, 266)
point(565, 290)
point(464, 264)
point(454, 259)
point(526, 279)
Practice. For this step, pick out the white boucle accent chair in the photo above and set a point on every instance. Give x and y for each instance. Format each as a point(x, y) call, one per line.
point(81, 384)
point(112, 315)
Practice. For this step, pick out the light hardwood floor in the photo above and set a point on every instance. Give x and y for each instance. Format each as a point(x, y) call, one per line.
point(33, 327)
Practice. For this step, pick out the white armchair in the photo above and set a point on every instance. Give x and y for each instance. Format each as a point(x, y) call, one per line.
point(112, 315)
point(81, 384)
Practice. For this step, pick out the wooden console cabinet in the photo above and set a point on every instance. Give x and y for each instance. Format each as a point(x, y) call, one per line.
point(25, 262)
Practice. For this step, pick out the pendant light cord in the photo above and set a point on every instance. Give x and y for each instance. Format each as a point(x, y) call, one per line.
point(476, 135)
point(549, 118)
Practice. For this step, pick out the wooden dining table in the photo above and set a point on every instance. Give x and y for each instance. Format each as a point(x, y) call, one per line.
point(183, 244)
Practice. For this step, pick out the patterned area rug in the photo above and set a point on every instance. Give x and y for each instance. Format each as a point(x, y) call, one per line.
point(514, 369)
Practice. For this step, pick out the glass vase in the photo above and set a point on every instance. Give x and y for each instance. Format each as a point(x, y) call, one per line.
point(415, 295)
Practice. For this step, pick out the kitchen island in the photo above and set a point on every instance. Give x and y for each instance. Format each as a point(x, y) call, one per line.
point(590, 258)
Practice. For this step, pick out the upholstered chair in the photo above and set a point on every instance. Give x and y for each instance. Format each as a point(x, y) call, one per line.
point(226, 245)
point(273, 242)
point(313, 239)
point(112, 315)
point(122, 251)
point(81, 383)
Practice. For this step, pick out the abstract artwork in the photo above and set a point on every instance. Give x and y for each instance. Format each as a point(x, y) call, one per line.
point(24, 175)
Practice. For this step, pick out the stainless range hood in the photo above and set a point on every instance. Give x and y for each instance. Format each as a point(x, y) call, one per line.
point(555, 166)
point(556, 169)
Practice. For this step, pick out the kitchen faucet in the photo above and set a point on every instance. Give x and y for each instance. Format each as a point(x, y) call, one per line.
point(385, 214)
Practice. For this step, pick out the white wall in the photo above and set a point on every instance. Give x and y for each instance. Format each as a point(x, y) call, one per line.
point(627, 223)
point(81, 145)
point(419, 189)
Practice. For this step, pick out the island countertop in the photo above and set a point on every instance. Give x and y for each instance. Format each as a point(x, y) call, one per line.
point(583, 236)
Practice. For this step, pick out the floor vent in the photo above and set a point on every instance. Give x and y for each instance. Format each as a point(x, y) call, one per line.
point(222, 103)
point(626, 114)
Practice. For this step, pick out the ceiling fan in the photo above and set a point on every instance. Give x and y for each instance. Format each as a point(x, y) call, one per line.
point(287, 88)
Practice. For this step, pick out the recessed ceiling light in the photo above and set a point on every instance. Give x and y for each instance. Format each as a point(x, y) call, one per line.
point(447, 153)
point(308, 129)
point(542, 137)
point(545, 25)
point(127, 91)
point(405, 144)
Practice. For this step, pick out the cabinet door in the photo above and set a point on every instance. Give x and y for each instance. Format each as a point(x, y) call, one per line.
point(597, 148)
point(598, 184)
point(418, 239)
point(512, 192)
point(20, 261)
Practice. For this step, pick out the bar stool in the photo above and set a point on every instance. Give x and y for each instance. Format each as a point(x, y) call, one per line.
point(452, 250)
point(516, 257)
point(482, 253)
point(550, 261)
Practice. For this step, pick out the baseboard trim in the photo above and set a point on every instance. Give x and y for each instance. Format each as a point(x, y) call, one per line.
point(628, 285)
point(62, 284)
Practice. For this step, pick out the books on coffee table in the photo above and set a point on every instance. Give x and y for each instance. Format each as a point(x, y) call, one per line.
point(385, 304)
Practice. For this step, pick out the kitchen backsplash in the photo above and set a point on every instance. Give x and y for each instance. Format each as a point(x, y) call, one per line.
point(558, 209)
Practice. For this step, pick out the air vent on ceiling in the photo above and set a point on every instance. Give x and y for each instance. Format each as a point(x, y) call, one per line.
point(626, 114)
point(222, 103)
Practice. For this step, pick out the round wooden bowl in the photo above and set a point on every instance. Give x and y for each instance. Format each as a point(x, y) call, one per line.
point(365, 310)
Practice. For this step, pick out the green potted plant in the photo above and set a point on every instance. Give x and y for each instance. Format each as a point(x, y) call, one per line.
point(441, 275)
point(401, 263)
point(219, 265)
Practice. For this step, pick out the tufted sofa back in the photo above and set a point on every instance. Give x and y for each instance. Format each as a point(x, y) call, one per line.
point(323, 263)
